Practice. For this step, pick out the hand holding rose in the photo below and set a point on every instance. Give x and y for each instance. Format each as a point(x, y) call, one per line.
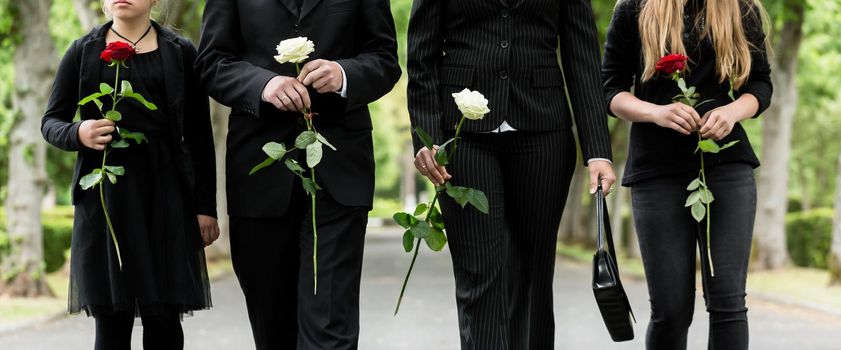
point(96, 134)
point(322, 75)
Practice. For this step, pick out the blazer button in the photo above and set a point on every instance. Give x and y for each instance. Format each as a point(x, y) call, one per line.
point(504, 14)
point(503, 74)
point(503, 44)
point(686, 35)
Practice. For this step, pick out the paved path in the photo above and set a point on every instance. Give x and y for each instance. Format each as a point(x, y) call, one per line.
point(428, 318)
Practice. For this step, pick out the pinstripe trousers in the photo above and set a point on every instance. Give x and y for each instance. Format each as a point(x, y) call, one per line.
point(504, 262)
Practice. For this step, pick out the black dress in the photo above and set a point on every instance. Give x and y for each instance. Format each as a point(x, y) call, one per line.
point(164, 267)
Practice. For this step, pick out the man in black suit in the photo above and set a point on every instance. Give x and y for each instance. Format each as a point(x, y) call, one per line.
point(522, 154)
point(354, 63)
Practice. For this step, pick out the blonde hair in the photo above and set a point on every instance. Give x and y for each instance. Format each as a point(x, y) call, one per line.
point(661, 32)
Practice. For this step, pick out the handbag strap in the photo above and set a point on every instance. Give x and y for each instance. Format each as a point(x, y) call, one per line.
point(603, 219)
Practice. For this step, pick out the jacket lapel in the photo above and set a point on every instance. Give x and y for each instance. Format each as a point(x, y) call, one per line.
point(308, 6)
point(173, 69)
point(291, 5)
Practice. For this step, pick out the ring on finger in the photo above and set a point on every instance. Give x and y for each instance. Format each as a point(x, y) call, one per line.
point(284, 98)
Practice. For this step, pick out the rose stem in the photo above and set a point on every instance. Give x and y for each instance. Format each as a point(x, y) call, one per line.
point(706, 189)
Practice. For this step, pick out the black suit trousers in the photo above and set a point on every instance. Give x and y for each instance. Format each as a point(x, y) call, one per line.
point(504, 261)
point(272, 258)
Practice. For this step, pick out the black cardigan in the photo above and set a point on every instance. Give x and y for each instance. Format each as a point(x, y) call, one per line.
point(656, 151)
point(78, 76)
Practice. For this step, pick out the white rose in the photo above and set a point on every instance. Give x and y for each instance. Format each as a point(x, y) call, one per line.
point(294, 50)
point(472, 104)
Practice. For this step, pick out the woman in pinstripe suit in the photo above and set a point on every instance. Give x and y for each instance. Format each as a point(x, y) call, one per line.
point(522, 154)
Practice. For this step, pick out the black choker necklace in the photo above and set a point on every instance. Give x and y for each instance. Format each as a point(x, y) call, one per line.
point(133, 43)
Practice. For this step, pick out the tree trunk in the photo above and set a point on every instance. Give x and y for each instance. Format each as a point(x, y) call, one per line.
point(34, 59)
point(835, 250)
point(88, 12)
point(769, 230)
point(220, 249)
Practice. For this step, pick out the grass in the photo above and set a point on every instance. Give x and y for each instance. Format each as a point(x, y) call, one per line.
point(792, 285)
point(17, 311)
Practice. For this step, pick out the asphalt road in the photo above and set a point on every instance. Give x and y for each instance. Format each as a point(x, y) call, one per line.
point(427, 319)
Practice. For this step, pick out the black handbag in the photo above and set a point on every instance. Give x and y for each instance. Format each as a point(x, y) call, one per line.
point(607, 287)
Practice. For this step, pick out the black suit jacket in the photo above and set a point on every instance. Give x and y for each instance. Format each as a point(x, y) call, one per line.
point(507, 50)
point(236, 60)
point(78, 75)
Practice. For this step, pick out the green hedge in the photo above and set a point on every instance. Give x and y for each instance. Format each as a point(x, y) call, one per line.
point(808, 237)
point(58, 230)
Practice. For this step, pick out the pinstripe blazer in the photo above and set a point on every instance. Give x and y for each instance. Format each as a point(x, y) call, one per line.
point(507, 50)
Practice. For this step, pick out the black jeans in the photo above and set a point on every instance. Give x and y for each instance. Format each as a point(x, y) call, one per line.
point(668, 237)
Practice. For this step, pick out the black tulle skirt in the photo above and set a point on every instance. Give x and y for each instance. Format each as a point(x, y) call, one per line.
point(164, 267)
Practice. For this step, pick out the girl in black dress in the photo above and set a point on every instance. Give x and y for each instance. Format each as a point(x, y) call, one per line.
point(725, 43)
point(163, 208)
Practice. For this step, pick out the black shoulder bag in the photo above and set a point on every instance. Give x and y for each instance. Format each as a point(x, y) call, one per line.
point(610, 295)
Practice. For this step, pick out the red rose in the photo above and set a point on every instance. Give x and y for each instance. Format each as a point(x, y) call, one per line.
point(117, 51)
point(671, 63)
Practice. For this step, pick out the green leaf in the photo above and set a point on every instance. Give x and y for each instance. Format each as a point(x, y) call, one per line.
point(105, 89)
point(116, 170)
point(421, 229)
point(708, 146)
point(91, 179)
point(703, 102)
point(293, 165)
point(693, 198)
point(405, 220)
point(478, 200)
point(125, 88)
point(690, 91)
point(445, 144)
point(706, 196)
point(323, 140)
point(728, 145)
point(274, 150)
point(682, 85)
point(458, 193)
point(119, 144)
point(441, 157)
point(314, 154)
point(435, 218)
point(310, 186)
point(421, 209)
point(90, 98)
point(114, 116)
point(694, 185)
point(138, 137)
point(436, 240)
point(425, 138)
point(112, 178)
point(408, 241)
point(265, 163)
point(305, 139)
point(139, 98)
point(98, 104)
point(699, 211)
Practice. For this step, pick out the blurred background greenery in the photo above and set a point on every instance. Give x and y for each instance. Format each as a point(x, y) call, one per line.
point(798, 139)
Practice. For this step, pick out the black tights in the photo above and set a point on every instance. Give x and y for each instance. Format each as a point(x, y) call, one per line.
point(113, 332)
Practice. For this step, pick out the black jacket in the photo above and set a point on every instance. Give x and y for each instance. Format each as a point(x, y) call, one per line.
point(236, 60)
point(78, 76)
point(656, 151)
point(507, 50)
